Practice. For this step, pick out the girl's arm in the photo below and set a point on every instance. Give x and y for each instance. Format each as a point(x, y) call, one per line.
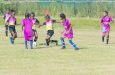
point(112, 21)
point(23, 25)
point(16, 22)
point(22, 28)
point(55, 21)
point(4, 16)
point(69, 29)
point(40, 25)
point(37, 22)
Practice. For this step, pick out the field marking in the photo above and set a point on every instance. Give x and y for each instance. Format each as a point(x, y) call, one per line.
point(73, 1)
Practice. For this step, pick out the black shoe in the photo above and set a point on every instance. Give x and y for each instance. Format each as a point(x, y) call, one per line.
point(63, 47)
point(76, 48)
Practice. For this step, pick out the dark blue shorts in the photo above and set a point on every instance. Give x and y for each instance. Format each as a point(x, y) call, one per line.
point(12, 29)
point(50, 33)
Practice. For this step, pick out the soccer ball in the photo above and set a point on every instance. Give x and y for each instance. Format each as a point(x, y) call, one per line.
point(34, 44)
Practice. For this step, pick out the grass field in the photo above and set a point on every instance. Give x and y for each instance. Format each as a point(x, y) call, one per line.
point(94, 57)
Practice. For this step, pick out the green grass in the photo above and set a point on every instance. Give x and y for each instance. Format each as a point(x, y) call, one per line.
point(94, 57)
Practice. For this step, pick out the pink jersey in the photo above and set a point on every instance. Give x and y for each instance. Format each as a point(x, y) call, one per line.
point(35, 21)
point(12, 21)
point(105, 21)
point(49, 24)
point(7, 16)
point(27, 24)
point(68, 29)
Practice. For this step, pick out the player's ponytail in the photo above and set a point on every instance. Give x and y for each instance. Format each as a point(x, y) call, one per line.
point(62, 16)
point(27, 15)
point(106, 12)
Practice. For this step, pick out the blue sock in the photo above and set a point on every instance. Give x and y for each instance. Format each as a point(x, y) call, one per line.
point(63, 42)
point(31, 44)
point(11, 40)
point(26, 44)
point(73, 44)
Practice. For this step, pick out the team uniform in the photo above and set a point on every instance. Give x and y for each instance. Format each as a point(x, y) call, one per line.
point(105, 23)
point(68, 34)
point(34, 20)
point(6, 17)
point(67, 27)
point(105, 20)
point(35, 34)
point(28, 32)
point(11, 24)
point(50, 31)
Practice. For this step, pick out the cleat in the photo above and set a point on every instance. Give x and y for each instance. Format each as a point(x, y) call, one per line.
point(63, 47)
point(76, 48)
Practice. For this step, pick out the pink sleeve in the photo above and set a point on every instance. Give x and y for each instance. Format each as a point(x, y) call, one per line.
point(8, 19)
point(111, 19)
point(68, 22)
point(102, 20)
point(15, 21)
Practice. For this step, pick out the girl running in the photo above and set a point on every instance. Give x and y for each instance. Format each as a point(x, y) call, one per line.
point(105, 23)
point(6, 17)
point(67, 33)
point(35, 24)
point(12, 23)
point(50, 30)
point(27, 28)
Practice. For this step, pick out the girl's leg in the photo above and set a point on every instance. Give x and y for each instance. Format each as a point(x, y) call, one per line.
point(47, 40)
point(31, 44)
point(36, 37)
point(6, 30)
point(14, 35)
point(63, 43)
point(49, 35)
point(11, 38)
point(103, 36)
point(107, 40)
point(54, 41)
point(26, 44)
point(73, 44)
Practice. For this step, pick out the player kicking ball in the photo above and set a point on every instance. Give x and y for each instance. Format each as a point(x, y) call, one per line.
point(35, 25)
point(67, 33)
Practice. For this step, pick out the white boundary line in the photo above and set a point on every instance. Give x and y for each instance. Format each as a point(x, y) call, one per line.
point(102, 1)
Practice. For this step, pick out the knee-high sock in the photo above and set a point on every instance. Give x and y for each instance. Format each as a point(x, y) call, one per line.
point(107, 40)
point(47, 42)
point(6, 32)
point(31, 44)
point(103, 38)
point(73, 44)
point(26, 44)
point(35, 39)
point(62, 41)
point(54, 41)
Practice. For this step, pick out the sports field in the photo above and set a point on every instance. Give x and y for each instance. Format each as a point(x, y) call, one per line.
point(93, 58)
